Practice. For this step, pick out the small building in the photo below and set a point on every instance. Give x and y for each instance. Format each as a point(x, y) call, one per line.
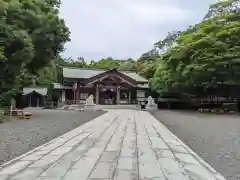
point(34, 96)
point(107, 86)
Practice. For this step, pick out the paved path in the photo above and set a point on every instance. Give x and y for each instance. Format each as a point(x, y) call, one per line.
point(119, 145)
point(214, 137)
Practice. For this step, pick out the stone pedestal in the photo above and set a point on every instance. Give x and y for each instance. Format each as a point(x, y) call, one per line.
point(151, 105)
point(89, 105)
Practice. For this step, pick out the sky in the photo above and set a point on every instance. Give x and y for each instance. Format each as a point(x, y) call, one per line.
point(124, 29)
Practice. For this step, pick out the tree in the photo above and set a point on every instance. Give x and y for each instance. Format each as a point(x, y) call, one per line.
point(222, 7)
point(128, 65)
point(149, 57)
point(79, 63)
point(32, 35)
point(168, 41)
point(205, 55)
point(108, 63)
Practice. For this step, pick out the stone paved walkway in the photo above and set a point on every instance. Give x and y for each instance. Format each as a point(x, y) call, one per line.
point(119, 145)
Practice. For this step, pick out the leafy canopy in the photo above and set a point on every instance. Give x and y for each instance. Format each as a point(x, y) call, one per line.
point(31, 36)
point(205, 55)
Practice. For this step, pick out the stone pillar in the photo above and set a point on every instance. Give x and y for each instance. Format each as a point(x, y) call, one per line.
point(118, 95)
point(97, 95)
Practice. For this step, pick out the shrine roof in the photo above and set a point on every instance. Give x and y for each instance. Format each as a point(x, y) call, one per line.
point(40, 90)
point(88, 73)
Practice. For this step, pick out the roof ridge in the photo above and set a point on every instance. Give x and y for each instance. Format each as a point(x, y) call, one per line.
point(98, 69)
point(84, 68)
point(90, 72)
point(128, 71)
point(36, 87)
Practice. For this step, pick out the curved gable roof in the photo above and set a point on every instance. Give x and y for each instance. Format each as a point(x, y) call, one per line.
point(88, 73)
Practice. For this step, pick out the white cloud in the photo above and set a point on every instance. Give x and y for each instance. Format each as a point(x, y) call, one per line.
point(123, 28)
point(156, 14)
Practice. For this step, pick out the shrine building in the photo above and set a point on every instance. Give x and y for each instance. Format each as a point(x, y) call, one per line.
point(107, 86)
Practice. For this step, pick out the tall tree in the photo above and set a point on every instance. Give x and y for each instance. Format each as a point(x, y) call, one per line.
point(168, 41)
point(149, 57)
point(205, 55)
point(32, 34)
point(222, 7)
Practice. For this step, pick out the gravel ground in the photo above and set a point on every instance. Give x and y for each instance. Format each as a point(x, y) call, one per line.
point(20, 136)
point(216, 138)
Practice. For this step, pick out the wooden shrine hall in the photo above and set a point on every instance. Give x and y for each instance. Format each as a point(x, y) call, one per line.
point(107, 86)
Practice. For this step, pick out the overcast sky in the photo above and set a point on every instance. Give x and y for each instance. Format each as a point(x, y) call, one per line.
point(125, 28)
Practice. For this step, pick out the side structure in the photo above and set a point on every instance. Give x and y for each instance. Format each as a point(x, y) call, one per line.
point(34, 96)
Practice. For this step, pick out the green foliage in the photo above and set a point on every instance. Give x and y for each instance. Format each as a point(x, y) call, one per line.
point(79, 63)
point(31, 36)
point(222, 7)
point(108, 63)
point(204, 55)
point(53, 95)
point(149, 57)
point(168, 41)
point(7, 96)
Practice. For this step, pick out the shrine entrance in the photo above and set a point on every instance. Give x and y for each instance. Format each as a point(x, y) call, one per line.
point(108, 87)
point(34, 100)
point(107, 96)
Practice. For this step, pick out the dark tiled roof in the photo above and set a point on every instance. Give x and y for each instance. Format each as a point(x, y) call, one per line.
point(39, 90)
point(88, 73)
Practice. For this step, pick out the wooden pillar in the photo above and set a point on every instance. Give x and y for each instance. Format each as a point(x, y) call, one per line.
point(74, 96)
point(129, 97)
point(76, 92)
point(97, 95)
point(118, 95)
point(77, 96)
point(37, 102)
